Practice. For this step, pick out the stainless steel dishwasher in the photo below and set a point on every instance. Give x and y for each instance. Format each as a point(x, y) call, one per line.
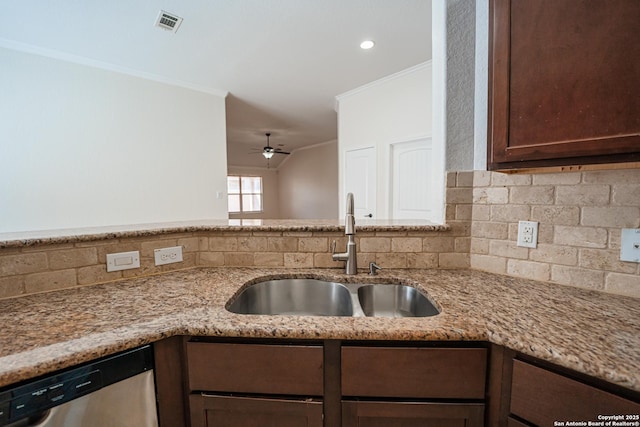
point(116, 391)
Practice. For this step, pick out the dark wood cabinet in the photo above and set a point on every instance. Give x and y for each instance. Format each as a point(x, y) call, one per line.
point(415, 372)
point(256, 368)
point(231, 411)
point(412, 414)
point(270, 384)
point(563, 83)
point(244, 385)
point(213, 382)
point(442, 387)
point(541, 397)
point(512, 422)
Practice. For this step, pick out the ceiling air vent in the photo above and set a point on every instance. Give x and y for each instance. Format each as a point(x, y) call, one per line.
point(168, 21)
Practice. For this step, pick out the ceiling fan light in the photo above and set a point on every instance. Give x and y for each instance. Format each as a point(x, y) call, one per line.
point(268, 154)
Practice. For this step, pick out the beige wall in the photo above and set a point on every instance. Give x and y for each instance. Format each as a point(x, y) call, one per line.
point(270, 192)
point(308, 183)
point(304, 186)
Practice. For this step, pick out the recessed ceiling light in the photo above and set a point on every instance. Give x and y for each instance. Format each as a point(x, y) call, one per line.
point(367, 44)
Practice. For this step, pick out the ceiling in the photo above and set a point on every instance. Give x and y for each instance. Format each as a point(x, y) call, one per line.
point(282, 62)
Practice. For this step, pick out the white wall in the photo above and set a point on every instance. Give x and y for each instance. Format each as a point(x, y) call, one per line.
point(80, 146)
point(270, 192)
point(308, 181)
point(394, 109)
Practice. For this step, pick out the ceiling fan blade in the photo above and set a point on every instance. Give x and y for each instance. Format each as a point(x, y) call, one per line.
point(267, 149)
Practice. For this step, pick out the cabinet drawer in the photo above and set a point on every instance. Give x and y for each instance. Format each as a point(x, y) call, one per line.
point(411, 414)
point(255, 368)
point(542, 397)
point(456, 373)
point(225, 411)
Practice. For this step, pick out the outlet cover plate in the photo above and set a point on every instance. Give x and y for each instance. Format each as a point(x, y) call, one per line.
point(630, 245)
point(528, 234)
point(168, 255)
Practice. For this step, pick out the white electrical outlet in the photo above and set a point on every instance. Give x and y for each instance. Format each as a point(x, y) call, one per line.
point(528, 234)
point(168, 255)
point(123, 261)
point(630, 245)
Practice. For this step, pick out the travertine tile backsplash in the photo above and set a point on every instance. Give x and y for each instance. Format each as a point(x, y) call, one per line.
point(47, 267)
point(580, 217)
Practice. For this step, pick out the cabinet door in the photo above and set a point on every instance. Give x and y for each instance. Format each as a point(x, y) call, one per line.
point(226, 411)
point(425, 373)
point(255, 368)
point(563, 82)
point(542, 397)
point(411, 414)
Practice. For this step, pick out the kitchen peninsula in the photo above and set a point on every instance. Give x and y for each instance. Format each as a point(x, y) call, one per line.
point(591, 333)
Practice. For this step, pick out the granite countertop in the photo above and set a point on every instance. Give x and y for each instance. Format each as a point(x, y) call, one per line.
point(591, 332)
point(73, 235)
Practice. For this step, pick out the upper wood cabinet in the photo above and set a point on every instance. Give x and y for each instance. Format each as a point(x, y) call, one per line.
point(564, 82)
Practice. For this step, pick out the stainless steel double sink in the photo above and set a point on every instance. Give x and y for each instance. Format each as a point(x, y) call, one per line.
point(313, 297)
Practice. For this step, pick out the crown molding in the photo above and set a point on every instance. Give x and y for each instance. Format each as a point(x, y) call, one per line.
point(379, 82)
point(319, 144)
point(250, 168)
point(81, 60)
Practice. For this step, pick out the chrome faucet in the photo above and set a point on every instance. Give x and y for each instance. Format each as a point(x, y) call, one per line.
point(373, 269)
point(350, 257)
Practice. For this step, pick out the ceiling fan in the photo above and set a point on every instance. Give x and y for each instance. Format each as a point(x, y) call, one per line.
point(269, 151)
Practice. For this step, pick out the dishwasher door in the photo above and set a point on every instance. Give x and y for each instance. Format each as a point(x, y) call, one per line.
point(114, 391)
point(128, 403)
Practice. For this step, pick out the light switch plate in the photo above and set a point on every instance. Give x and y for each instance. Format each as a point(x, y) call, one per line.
point(630, 245)
point(123, 261)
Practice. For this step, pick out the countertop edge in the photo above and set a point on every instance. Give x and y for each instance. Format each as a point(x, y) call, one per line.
point(33, 238)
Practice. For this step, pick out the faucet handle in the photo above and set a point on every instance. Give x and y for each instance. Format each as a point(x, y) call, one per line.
point(373, 269)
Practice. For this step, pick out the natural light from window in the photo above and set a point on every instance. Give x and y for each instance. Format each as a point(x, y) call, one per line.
point(245, 193)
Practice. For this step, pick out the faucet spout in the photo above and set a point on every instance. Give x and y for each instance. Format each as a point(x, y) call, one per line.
point(350, 256)
point(350, 219)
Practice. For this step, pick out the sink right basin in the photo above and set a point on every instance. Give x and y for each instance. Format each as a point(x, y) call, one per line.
point(387, 300)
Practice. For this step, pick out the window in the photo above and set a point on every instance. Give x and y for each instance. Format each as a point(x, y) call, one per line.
point(245, 193)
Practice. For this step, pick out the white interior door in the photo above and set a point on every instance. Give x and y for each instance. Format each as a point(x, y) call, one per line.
point(360, 179)
point(412, 184)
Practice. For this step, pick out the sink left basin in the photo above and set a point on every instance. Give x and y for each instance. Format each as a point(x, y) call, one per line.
point(310, 297)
